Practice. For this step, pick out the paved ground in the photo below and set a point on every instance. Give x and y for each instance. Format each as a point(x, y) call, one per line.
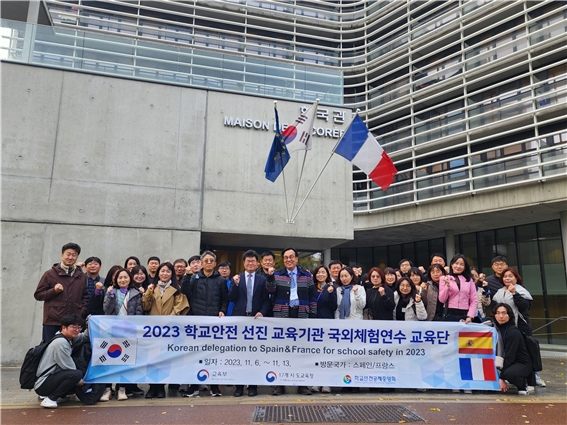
point(547, 406)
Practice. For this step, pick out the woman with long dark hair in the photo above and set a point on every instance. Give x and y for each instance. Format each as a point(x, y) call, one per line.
point(131, 262)
point(512, 358)
point(408, 303)
point(459, 289)
point(434, 307)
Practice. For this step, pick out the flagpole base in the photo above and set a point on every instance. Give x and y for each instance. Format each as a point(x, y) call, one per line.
point(290, 221)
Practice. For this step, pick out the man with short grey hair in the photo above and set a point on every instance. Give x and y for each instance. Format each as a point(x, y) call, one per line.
point(208, 296)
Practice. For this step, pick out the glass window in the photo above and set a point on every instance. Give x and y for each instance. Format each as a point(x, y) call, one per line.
point(528, 258)
point(394, 255)
point(364, 258)
point(408, 251)
point(506, 246)
point(486, 248)
point(380, 258)
point(468, 248)
point(437, 246)
point(422, 254)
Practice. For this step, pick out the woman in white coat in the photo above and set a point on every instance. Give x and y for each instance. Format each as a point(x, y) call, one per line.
point(351, 299)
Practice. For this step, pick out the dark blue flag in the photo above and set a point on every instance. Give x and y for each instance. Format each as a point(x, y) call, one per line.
point(279, 156)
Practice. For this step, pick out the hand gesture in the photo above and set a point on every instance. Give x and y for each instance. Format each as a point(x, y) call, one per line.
point(236, 279)
point(221, 314)
point(151, 287)
point(110, 289)
point(421, 269)
point(512, 288)
point(417, 298)
point(80, 264)
point(423, 286)
point(58, 288)
point(381, 291)
point(447, 281)
point(355, 288)
point(98, 285)
point(330, 289)
point(141, 289)
point(484, 283)
point(258, 315)
point(271, 271)
point(188, 270)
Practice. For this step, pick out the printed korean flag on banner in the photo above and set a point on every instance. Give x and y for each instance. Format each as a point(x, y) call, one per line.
point(114, 351)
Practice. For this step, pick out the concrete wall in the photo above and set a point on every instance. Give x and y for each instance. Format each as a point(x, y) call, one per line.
point(132, 168)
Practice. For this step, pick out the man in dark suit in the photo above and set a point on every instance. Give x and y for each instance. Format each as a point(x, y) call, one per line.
point(250, 298)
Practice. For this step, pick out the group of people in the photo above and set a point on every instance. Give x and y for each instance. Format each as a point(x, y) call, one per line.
point(72, 291)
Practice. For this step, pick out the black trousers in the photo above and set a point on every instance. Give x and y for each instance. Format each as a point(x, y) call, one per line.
point(516, 374)
point(60, 384)
point(49, 332)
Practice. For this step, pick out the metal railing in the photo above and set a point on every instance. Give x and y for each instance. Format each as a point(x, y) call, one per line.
point(179, 65)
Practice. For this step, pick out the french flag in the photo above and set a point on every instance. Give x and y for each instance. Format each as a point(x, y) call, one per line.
point(477, 369)
point(359, 146)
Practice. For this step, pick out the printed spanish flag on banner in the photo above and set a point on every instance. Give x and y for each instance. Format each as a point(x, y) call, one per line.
point(475, 343)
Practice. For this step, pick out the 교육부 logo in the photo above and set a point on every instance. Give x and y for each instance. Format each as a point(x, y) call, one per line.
point(271, 376)
point(203, 375)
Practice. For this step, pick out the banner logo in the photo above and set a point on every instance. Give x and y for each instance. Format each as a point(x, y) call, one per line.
point(271, 376)
point(203, 375)
point(347, 379)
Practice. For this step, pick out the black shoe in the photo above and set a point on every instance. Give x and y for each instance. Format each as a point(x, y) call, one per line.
point(215, 391)
point(173, 387)
point(238, 392)
point(160, 393)
point(252, 393)
point(355, 389)
point(151, 392)
point(304, 391)
point(278, 391)
point(136, 390)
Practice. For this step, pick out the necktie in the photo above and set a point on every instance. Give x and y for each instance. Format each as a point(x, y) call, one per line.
point(293, 299)
point(70, 271)
point(249, 291)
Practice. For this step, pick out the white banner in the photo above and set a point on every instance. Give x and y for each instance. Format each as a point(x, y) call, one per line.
point(269, 351)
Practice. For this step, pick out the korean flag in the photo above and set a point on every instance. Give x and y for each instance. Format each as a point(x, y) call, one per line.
point(114, 351)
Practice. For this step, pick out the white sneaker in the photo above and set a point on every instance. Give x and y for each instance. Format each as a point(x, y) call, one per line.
point(314, 389)
point(456, 391)
point(48, 403)
point(326, 389)
point(193, 394)
point(523, 392)
point(467, 391)
point(531, 389)
point(539, 382)
point(105, 395)
point(121, 394)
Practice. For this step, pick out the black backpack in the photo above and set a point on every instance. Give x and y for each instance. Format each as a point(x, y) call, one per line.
point(532, 345)
point(28, 372)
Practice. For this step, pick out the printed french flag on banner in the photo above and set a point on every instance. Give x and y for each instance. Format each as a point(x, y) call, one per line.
point(359, 146)
point(477, 369)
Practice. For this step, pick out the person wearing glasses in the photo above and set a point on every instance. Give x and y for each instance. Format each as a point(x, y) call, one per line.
point(208, 296)
point(58, 375)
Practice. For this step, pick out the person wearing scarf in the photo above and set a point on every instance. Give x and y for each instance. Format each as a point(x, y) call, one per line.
point(164, 299)
point(122, 299)
point(351, 300)
point(515, 367)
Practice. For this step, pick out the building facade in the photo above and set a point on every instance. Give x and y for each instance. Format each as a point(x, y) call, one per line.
point(467, 97)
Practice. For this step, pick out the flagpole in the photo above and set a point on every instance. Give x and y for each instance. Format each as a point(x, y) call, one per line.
point(283, 177)
point(315, 105)
point(298, 182)
point(323, 169)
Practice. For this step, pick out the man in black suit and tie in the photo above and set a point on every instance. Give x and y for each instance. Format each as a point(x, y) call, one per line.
point(250, 298)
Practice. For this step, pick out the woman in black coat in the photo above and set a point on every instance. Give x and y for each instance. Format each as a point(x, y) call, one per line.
point(511, 350)
point(379, 298)
point(326, 294)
